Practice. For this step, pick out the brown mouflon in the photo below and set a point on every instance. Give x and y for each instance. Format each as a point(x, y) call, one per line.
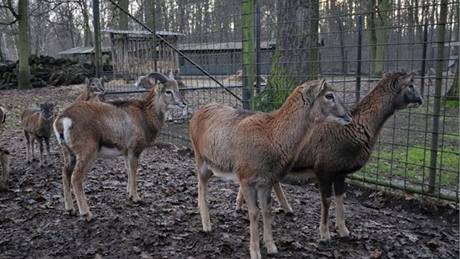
point(87, 130)
point(330, 153)
point(257, 148)
point(36, 123)
point(94, 90)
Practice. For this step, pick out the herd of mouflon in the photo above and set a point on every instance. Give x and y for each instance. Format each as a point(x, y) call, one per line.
point(312, 135)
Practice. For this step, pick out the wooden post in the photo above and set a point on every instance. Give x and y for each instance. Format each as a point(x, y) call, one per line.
point(248, 8)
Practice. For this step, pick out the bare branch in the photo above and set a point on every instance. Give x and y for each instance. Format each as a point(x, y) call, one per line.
point(8, 23)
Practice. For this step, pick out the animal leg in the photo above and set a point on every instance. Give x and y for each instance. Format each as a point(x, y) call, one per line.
point(4, 162)
point(27, 137)
point(265, 195)
point(203, 174)
point(239, 200)
point(326, 192)
point(48, 153)
point(282, 198)
point(40, 145)
point(132, 162)
point(250, 196)
point(339, 190)
point(69, 164)
point(32, 146)
point(84, 162)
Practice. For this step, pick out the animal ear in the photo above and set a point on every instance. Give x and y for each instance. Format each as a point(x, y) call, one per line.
point(86, 80)
point(139, 82)
point(407, 78)
point(171, 75)
point(180, 84)
point(319, 88)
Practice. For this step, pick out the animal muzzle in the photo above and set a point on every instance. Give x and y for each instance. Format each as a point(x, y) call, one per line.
point(418, 102)
point(344, 120)
point(181, 104)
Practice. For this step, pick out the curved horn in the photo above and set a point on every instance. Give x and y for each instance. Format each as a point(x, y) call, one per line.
point(159, 76)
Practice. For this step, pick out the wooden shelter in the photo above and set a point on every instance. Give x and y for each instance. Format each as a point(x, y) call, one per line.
point(134, 53)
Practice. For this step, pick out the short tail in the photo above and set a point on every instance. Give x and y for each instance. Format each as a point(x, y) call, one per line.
point(61, 130)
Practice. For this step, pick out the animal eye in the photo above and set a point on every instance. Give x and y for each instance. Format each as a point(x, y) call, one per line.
point(411, 87)
point(168, 92)
point(329, 96)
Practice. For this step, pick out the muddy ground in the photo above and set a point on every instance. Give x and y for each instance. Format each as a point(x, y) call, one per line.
point(167, 223)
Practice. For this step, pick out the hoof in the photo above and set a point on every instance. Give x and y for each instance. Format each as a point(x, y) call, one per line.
point(325, 237)
point(343, 232)
point(255, 255)
point(238, 211)
point(207, 229)
point(272, 249)
point(135, 199)
point(71, 212)
point(87, 217)
point(283, 211)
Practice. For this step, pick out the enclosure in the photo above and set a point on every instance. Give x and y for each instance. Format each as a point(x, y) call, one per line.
point(250, 54)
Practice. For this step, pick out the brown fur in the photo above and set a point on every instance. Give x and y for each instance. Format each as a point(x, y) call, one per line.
point(37, 127)
point(333, 152)
point(93, 90)
point(256, 148)
point(114, 128)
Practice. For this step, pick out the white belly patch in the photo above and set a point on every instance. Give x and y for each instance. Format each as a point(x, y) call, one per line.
point(109, 152)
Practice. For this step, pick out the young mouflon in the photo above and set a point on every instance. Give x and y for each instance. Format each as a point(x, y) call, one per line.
point(37, 125)
point(87, 130)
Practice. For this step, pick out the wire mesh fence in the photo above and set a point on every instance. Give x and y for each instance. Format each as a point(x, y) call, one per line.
point(260, 50)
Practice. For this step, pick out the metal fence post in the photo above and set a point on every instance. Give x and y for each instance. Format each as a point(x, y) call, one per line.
point(437, 96)
point(257, 61)
point(97, 38)
point(248, 53)
point(425, 42)
point(358, 65)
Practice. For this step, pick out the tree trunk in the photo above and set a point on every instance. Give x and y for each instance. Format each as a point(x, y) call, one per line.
point(88, 39)
point(248, 9)
point(383, 13)
point(149, 12)
point(123, 18)
point(314, 46)
point(23, 45)
point(294, 39)
point(372, 31)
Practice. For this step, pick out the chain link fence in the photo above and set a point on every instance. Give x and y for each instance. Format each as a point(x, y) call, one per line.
point(251, 54)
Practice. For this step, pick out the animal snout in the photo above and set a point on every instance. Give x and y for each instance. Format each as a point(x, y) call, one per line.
point(181, 104)
point(345, 119)
point(419, 101)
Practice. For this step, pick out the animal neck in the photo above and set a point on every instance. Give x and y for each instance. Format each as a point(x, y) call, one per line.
point(155, 114)
point(375, 108)
point(290, 122)
point(84, 95)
